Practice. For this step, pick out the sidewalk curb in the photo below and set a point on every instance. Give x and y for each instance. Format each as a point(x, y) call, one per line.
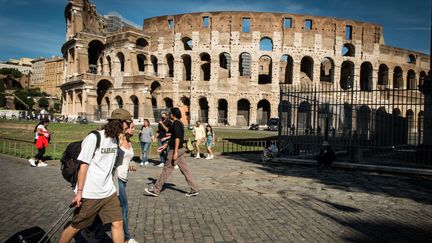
point(359, 166)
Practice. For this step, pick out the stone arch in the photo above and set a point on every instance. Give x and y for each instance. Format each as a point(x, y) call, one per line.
point(203, 110)
point(108, 58)
point(168, 103)
point(396, 112)
point(306, 69)
point(95, 50)
point(245, 61)
point(363, 121)
point(243, 112)
point(422, 78)
point(142, 62)
point(327, 70)
point(397, 77)
point(286, 69)
point(170, 64)
point(224, 66)
point(223, 111)
point(348, 50)
point(187, 67)
point(266, 44)
point(187, 43)
point(347, 75)
point(141, 43)
point(154, 61)
point(263, 112)
point(135, 103)
point(304, 118)
point(205, 66)
point(121, 60)
point(119, 101)
point(411, 79)
point(155, 87)
point(411, 59)
point(185, 108)
point(265, 70)
point(285, 109)
point(102, 89)
point(366, 76)
point(383, 74)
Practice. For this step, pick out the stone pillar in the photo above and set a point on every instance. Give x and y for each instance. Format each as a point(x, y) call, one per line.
point(194, 107)
point(84, 101)
point(253, 112)
point(232, 111)
point(132, 67)
point(213, 111)
point(74, 100)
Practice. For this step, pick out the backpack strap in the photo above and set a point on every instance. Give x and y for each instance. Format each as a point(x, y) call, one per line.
point(98, 140)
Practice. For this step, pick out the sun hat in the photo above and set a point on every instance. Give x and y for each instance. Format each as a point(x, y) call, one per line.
point(121, 114)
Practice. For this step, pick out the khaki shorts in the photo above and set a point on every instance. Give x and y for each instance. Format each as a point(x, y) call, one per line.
point(200, 141)
point(108, 209)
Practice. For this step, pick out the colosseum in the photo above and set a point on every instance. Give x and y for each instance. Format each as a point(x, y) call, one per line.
point(227, 68)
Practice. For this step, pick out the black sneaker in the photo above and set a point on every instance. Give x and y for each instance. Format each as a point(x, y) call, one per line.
point(191, 194)
point(151, 192)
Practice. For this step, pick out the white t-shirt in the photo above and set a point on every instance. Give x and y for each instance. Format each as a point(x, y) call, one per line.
point(99, 182)
point(42, 127)
point(199, 132)
point(122, 170)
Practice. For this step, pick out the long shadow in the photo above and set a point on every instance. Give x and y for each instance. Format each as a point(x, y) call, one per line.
point(169, 186)
point(417, 188)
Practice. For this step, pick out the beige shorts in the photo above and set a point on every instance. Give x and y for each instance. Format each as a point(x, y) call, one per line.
point(108, 209)
point(200, 141)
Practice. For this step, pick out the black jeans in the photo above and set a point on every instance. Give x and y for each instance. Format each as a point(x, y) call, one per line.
point(40, 154)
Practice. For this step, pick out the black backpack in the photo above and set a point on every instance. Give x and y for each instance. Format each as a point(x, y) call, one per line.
point(69, 163)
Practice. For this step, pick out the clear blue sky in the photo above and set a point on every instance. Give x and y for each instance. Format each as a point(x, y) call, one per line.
point(32, 28)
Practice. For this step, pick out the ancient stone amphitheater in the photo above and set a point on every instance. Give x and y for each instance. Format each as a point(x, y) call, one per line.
point(223, 67)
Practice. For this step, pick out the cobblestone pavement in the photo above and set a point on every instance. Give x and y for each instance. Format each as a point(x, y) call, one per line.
point(239, 201)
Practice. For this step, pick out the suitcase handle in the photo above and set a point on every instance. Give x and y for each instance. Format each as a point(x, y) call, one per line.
point(68, 212)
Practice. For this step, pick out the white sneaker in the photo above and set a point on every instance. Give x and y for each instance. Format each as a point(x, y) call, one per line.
point(42, 164)
point(176, 167)
point(142, 164)
point(145, 163)
point(197, 157)
point(212, 156)
point(161, 165)
point(32, 162)
point(132, 241)
point(208, 157)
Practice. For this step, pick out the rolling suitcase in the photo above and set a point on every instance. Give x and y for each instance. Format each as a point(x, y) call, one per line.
point(38, 235)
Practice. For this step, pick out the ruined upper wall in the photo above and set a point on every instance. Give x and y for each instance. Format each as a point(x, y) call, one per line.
point(266, 24)
point(81, 16)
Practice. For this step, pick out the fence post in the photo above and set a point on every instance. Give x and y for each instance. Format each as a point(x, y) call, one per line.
point(15, 148)
point(54, 152)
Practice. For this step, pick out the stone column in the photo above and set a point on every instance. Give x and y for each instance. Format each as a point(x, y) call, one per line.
point(74, 98)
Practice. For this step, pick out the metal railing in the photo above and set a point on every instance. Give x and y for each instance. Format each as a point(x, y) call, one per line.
point(25, 149)
point(230, 146)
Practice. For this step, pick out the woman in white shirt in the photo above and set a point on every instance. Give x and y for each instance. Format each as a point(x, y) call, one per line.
point(122, 173)
point(40, 130)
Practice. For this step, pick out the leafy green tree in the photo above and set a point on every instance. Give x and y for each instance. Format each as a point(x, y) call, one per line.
point(43, 102)
point(2, 94)
point(20, 97)
point(12, 72)
point(57, 107)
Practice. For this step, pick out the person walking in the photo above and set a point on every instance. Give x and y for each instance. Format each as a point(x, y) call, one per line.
point(210, 140)
point(42, 137)
point(95, 192)
point(199, 132)
point(146, 137)
point(126, 153)
point(176, 156)
point(163, 128)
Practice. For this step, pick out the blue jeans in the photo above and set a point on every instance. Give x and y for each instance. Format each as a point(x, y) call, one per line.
point(163, 155)
point(124, 206)
point(145, 146)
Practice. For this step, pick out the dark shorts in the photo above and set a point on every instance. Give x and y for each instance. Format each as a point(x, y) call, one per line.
point(108, 209)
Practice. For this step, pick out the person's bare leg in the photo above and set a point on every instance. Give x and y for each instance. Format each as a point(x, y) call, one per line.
point(68, 234)
point(117, 231)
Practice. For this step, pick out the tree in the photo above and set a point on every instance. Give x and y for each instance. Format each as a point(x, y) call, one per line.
point(2, 94)
point(13, 72)
point(20, 97)
point(43, 102)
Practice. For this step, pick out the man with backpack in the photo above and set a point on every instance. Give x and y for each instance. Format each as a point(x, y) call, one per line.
point(95, 193)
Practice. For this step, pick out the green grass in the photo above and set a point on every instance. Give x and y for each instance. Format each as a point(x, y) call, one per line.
point(63, 134)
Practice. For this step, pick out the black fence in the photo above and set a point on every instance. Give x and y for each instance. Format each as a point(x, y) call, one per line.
point(381, 126)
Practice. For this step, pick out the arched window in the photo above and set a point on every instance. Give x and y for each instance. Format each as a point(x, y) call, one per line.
point(411, 59)
point(286, 69)
point(187, 43)
point(411, 80)
point(366, 76)
point(223, 112)
point(203, 110)
point(154, 61)
point(135, 103)
point(347, 75)
point(327, 70)
point(109, 65)
point(205, 66)
point(265, 73)
point(397, 78)
point(245, 64)
point(306, 68)
point(168, 103)
point(263, 112)
point(224, 66)
point(348, 50)
point(95, 49)
point(187, 62)
point(383, 75)
point(119, 101)
point(266, 44)
point(170, 64)
point(141, 43)
point(142, 62)
point(121, 60)
point(243, 108)
point(422, 77)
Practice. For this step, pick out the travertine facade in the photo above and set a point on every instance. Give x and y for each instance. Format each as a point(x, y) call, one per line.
point(48, 75)
point(225, 66)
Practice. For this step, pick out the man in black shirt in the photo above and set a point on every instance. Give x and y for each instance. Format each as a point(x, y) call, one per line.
point(176, 156)
point(163, 128)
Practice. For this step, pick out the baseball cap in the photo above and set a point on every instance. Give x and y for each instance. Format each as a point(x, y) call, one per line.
point(121, 114)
